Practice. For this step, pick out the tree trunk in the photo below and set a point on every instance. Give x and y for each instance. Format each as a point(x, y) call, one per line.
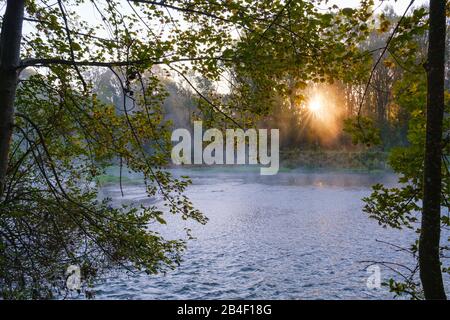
point(429, 261)
point(10, 38)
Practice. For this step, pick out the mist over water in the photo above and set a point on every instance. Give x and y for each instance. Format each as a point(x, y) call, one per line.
point(296, 235)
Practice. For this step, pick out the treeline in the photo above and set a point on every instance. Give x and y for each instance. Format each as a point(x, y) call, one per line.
point(378, 104)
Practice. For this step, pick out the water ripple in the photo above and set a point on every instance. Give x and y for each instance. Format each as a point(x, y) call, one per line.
point(294, 236)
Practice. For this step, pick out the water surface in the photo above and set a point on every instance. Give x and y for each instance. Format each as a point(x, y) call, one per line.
point(296, 235)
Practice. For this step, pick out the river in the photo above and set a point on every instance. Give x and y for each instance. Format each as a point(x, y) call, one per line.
point(296, 235)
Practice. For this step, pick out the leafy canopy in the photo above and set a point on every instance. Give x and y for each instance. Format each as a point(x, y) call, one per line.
point(51, 215)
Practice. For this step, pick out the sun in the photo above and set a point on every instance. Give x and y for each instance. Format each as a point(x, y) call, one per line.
point(316, 106)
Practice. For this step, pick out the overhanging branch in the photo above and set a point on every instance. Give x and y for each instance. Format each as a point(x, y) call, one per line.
point(45, 62)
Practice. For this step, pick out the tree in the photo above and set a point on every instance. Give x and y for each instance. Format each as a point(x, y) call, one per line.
point(429, 260)
point(423, 95)
point(63, 139)
point(9, 62)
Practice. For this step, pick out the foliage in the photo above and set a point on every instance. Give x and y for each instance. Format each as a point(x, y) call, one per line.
point(51, 216)
point(362, 130)
point(400, 207)
point(72, 121)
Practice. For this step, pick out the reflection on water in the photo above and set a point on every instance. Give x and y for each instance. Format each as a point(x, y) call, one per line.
point(291, 236)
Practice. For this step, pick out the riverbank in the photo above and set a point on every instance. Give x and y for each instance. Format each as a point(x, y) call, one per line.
point(292, 160)
point(332, 159)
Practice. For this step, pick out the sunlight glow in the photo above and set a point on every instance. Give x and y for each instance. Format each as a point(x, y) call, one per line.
point(316, 106)
point(323, 111)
